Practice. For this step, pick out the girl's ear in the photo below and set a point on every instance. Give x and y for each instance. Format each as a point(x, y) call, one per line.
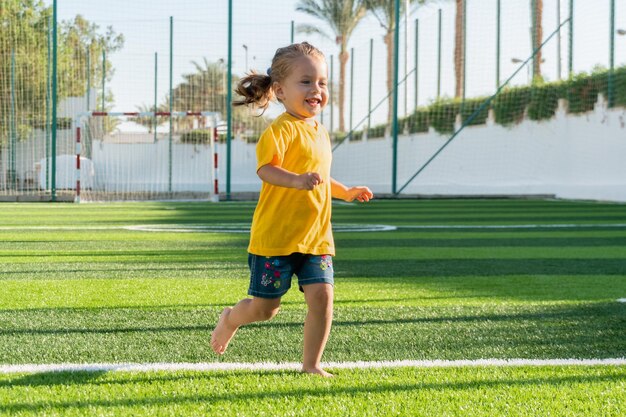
point(278, 91)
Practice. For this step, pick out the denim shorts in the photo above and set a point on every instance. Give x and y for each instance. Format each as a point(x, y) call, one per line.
point(270, 276)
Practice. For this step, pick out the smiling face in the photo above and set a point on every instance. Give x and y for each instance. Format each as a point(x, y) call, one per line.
point(304, 92)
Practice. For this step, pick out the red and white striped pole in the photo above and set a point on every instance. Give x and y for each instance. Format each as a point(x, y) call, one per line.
point(78, 146)
point(216, 171)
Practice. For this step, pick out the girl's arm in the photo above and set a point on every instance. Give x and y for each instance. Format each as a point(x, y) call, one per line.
point(276, 175)
point(360, 193)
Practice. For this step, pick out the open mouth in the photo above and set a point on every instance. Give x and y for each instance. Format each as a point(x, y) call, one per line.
point(314, 102)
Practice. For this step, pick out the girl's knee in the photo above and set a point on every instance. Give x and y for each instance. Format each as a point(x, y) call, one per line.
point(319, 296)
point(266, 309)
point(268, 313)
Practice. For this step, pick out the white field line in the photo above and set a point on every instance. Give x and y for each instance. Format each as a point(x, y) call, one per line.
point(339, 227)
point(245, 228)
point(293, 366)
point(512, 226)
point(77, 227)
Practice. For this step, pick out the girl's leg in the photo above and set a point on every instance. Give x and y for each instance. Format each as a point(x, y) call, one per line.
point(319, 299)
point(245, 311)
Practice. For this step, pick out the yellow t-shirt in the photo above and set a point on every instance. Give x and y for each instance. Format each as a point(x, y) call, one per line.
point(287, 220)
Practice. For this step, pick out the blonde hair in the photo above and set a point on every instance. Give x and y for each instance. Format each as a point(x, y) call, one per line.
point(256, 89)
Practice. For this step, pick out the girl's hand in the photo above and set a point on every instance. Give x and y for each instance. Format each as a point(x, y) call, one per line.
point(360, 193)
point(308, 181)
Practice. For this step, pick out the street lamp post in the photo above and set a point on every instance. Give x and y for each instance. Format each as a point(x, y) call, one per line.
point(520, 61)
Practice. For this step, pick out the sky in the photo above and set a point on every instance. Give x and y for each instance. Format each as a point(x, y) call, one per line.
point(262, 26)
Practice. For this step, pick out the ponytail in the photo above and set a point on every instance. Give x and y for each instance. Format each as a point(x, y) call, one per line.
point(256, 90)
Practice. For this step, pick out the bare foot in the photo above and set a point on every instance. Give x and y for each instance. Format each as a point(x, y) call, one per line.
point(223, 333)
point(317, 371)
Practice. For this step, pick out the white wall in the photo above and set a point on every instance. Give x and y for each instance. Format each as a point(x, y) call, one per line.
point(578, 157)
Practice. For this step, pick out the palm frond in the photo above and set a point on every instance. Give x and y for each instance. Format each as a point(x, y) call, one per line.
point(312, 8)
point(312, 30)
point(341, 15)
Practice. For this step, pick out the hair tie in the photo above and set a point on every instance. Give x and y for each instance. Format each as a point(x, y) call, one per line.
point(269, 72)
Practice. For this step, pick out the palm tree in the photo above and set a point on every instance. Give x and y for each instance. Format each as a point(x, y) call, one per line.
point(384, 12)
point(459, 49)
point(537, 14)
point(342, 16)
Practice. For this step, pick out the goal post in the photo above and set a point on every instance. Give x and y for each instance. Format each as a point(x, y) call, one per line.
point(139, 156)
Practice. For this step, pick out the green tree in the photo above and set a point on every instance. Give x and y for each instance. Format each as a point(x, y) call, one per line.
point(342, 16)
point(80, 38)
point(23, 63)
point(25, 66)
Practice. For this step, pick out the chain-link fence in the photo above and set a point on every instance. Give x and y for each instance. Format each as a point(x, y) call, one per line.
point(543, 56)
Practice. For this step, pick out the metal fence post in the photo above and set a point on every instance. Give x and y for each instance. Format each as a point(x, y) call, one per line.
point(351, 86)
point(498, 43)
point(558, 40)
point(394, 174)
point(12, 128)
point(611, 81)
point(229, 97)
point(88, 77)
point(170, 148)
point(332, 116)
point(369, 99)
point(571, 40)
point(439, 58)
point(104, 76)
point(53, 187)
point(417, 37)
point(156, 60)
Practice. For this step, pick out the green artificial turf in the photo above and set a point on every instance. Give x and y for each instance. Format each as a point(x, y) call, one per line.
point(526, 391)
point(76, 286)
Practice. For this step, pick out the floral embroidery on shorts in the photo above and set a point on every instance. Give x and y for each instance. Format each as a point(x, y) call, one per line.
point(265, 280)
point(327, 262)
point(271, 276)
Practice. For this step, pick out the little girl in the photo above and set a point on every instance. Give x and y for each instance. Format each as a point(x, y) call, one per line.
point(291, 231)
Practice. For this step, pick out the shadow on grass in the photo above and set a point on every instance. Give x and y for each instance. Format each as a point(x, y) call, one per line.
point(539, 241)
point(609, 311)
point(92, 378)
point(375, 387)
point(165, 255)
point(119, 330)
point(46, 379)
point(216, 307)
point(477, 267)
point(612, 311)
point(127, 272)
